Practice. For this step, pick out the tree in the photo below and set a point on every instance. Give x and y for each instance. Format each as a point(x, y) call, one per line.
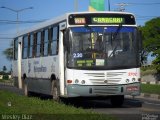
point(9, 52)
point(4, 69)
point(151, 39)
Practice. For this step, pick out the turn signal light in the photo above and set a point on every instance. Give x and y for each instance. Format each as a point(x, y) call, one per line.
point(69, 81)
point(139, 79)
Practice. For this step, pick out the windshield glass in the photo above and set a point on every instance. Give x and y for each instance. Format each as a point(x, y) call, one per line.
point(102, 47)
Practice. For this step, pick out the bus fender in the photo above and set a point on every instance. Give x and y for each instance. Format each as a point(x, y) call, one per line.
point(53, 77)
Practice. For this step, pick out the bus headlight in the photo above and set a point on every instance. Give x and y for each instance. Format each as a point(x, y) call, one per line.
point(76, 81)
point(139, 79)
point(127, 80)
point(133, 79)
point(83, 81)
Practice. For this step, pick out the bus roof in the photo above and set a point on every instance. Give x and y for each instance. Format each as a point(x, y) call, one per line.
point(86, 12)
point(42, 25)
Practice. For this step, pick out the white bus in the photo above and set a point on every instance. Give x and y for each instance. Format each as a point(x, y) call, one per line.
point(80, 54)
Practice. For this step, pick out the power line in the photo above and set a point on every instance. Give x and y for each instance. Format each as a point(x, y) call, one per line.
point(20, 22)
point(123, 5)
point(145, 17)
point(143, 3)
point(5, 38)
point(140, 16)
point(127, 4)
point(6, 34)
point(1, 50)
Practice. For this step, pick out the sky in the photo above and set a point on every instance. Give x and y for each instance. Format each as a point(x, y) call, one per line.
point(144, 10)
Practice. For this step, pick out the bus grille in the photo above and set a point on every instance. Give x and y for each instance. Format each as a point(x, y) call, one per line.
point(105, 90)
point(108, 78)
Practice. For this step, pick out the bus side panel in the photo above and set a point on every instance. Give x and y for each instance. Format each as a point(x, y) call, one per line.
point(39, 71)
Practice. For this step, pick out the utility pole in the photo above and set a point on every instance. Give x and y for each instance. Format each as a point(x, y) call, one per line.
point(109, 5)
point(76, 5)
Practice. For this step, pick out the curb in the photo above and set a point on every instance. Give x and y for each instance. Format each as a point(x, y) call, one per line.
point(152, 82)
point(153, 96)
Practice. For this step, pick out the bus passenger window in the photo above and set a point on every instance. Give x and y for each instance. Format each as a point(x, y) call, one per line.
point(31, 45)
point(46, 41)
point(54, 41)
point(38, 44)
point(25, 47)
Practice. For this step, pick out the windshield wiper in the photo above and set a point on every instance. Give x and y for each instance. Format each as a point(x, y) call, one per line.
point(114, 37)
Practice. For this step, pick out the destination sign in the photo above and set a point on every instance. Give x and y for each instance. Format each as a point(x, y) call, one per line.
point(107, 20)
point(79, 20)
point(101, 18)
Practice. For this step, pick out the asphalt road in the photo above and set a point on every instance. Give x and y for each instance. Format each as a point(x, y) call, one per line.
point(133, 109)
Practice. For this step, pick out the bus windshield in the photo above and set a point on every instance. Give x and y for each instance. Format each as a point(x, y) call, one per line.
point(110, 47)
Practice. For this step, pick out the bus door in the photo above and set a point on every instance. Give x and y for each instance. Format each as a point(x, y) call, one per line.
point(19, 62)
point(62, 83)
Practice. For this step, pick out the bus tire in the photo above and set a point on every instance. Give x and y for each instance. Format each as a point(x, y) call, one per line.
point(25, 85)
point(117, 101)
point(26, 90)
point(55, 91)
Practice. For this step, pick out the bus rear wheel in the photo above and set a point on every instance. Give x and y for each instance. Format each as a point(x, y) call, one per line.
point(26, 93)
point(55, 91)
point(117, 101)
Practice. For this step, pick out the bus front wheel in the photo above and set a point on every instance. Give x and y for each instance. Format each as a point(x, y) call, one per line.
point(117, 101)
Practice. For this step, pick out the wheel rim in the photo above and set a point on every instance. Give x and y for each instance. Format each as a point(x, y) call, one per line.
point(25, 90)
point(55, 93)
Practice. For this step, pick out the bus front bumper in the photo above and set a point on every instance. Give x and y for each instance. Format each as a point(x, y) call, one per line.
point(102, 90)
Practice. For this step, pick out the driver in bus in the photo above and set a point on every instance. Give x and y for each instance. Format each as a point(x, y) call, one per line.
point(99, 44)
point(99, 47)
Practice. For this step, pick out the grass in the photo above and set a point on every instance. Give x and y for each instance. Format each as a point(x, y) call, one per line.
point(149, 88)
point(44, 109)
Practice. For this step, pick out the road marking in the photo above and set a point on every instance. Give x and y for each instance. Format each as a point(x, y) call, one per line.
point(151, 103)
